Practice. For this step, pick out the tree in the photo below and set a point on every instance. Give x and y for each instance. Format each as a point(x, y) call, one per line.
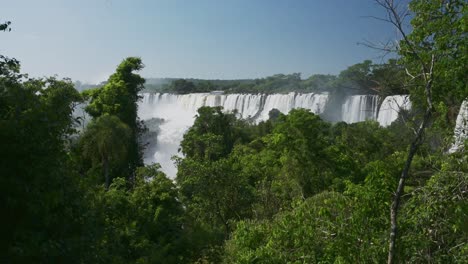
point(435, 228)
point(388, 78)
point(105, 142)
point(119, 97)
point(5, 26)
point(318, 82)
point(214, 192)
point(300, 138)
point(439, 32)
point(307, 234)
point(436, 48)
point(357, 77)
point(327, 227)
point(159, 218)
point(213, 134)
point(182, 86)
point(40, 196)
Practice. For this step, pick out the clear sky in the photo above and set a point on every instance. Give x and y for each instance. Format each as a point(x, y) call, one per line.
point(213, 39)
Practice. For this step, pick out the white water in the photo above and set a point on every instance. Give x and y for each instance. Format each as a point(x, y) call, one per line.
point(178, 112)
point(359, 108)
point(461, 128)
point(390, 108)
point(286, 102)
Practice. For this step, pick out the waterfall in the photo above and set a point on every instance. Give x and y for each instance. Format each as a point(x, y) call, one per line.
point(359, 108)
point(461, 128)
point(80, 113)
point(286, 102)
point(171, 115)
point(178, 114)
point(390, 108)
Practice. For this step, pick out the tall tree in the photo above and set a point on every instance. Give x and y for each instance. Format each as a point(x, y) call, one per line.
point(435, 57)
point(38, 191)
point(119, 97)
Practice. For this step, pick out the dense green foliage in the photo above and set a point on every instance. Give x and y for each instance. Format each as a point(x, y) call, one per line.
point(436, 49)
point(293, 189)
point(361, 78)
point(118, 97)
point(439, 30)
point(40, 196)
point(80, 197)
point(307, 191)
point(105, 143)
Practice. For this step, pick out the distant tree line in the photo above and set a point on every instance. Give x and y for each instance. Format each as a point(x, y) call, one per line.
point(362, 78)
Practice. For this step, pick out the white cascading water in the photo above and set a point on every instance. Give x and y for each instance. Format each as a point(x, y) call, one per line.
point(461, 128)
point(286, 102)
point(178, 113)
point(359, 108)
point(391, 106)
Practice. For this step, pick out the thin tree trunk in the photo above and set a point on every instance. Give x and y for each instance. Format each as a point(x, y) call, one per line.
point(396, 18)
point(428, 75)
point(401, 185)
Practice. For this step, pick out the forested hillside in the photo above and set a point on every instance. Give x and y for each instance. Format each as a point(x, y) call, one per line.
point(292, 189)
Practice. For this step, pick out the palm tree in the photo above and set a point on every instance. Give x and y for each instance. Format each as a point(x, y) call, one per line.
point(106, 141)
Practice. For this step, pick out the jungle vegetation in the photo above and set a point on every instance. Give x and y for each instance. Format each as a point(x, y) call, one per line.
point(293, 189)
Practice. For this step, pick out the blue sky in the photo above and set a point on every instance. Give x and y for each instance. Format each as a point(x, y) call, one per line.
point(213, 39)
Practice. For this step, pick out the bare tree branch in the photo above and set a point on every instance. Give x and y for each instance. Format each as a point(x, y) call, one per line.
point(396, 17)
